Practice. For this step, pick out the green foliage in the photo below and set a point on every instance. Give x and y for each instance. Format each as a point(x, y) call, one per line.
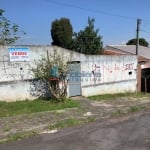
point(53, 71)
point(8, 31)
point(44, 66)
point(142, 42)
point(88, 41)
point(61, 32)
point(70, 122)
point(134, 108)
point(85, 41)
point(65, 123)
point(18, 136)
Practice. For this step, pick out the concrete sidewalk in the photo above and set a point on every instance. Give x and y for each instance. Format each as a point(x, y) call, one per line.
point(39, 122)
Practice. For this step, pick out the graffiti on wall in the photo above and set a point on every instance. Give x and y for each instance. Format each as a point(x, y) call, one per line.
point(39, 88)
point(10, 71)
point(98, 73)
point(116, 67)
point(105, 73)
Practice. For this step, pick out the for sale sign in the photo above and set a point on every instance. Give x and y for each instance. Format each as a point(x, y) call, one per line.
point(18, 54)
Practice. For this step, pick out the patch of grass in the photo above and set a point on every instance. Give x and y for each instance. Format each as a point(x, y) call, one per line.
point(25, 107)
point(131, 109)
point(138, 108)
point(134, 109)
point(71, 122)
point(18, 136)
point(6, 129)
point(64, 123)
point(116, 96)
point(118, 112)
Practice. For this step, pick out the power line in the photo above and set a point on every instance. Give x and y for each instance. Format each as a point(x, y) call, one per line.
point(144, 31)
point(91, 10)
point(146, 21)
point(100, 12)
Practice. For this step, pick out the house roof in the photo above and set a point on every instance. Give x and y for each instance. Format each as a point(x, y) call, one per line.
point(143, 52)
point(111, 52)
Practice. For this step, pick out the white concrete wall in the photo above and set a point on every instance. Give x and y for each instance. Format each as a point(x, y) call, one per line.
point(17, 80)
point(16, 77)
point(18, 90)
point(109, 74)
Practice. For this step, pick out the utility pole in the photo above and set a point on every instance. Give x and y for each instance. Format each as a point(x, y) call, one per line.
point(137, 35)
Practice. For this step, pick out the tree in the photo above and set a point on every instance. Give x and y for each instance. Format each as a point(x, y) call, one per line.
point(53, 70)
point(88, 41)
point(142, 42)
point(62, 32)
point(8, 31)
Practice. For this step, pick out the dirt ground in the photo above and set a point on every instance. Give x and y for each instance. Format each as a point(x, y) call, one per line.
point(99, 110)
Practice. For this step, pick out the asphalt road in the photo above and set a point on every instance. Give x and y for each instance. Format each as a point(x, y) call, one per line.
point(123, 133)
